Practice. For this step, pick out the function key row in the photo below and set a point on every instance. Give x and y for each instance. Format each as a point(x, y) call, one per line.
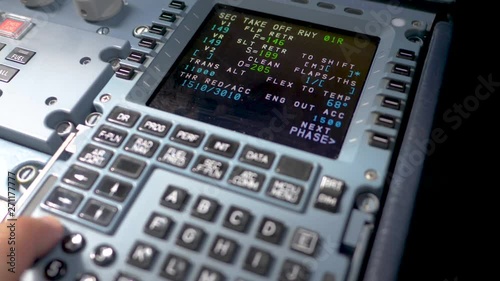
point(130, 167)
point(287, 166)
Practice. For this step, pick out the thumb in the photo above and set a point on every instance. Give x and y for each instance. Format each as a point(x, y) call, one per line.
point(24, 240)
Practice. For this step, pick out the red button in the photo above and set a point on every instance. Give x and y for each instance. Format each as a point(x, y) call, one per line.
point(11, 26)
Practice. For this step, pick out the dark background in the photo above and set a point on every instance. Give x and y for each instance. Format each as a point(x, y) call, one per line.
point(451, 237)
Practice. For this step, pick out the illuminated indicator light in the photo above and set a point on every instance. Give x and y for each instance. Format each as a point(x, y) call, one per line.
point(11, 26)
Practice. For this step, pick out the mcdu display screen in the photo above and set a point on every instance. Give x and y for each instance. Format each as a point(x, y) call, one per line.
point(277, 79)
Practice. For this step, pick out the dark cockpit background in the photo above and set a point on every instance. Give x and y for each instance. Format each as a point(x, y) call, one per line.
point(449, 232)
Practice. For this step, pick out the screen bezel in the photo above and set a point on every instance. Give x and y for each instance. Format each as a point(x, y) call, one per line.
point(279, 137)
point(357, 136)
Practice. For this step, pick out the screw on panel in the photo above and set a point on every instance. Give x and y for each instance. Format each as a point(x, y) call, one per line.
point(50, 101)
point(26, 174)
point(138, 31)
point(417, 23)
point(371, 175)
point(105, 98)
point(92, 119)
point(65, 128)
point(85, 60)
point(368, 203)
point(103, 30)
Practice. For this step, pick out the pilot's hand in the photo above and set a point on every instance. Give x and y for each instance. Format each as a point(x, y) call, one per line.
point(23, 241)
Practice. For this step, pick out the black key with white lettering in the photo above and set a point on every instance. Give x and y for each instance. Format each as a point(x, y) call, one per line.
point(98, 212)
point(20, 55)
point(391, 103)
point(125, 72)
point(158, 29)
point(187, 136)
point(113, 189)
point(176, 4)
point(406, 54)
point(158, 225)
point(7, 73)
point(221, 146)
point(175, 268)
point(175, 156)
point(210, 167)
point(174, 198)
point(386, 121)
point(148, 43)
point(271, 230)
point(95, 156)
point(380, 141)
point(190, 237)
point(142, 255)
point(398, 86)
point(80, 177)
point(258, 261)
point(141, 146)
point(168, 17)
point(138, 57)
point(64, 200)
point(123, 117)
point(109, 135)
point(238, 219)
point(285, 191)
point(330, 192)
point(208, 274)
point(154, 126)
point(293, 271)
point(401, 69)
point(223, 249)
point(205, 208)
point(257, 157)
point(327, 202)
point(305, 241)
point(246, 179)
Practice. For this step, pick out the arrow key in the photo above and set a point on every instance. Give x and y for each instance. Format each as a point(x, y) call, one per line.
point(98, 212)
point(113, 189)
point(64, 200)
point(80, 177)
